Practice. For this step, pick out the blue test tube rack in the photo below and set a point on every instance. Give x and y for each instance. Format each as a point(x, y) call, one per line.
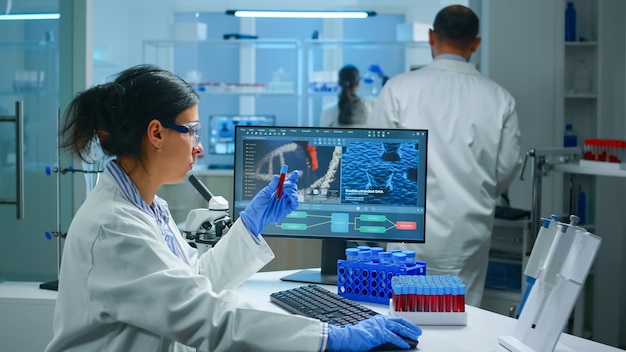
point(371, 281)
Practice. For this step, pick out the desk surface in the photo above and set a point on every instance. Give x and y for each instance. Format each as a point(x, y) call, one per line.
point(480, 334)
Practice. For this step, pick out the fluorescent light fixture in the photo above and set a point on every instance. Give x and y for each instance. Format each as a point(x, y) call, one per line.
point(30, 16)
point(302, 14)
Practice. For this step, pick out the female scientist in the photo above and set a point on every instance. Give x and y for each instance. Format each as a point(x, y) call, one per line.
point(350, 109)
point(130, 282)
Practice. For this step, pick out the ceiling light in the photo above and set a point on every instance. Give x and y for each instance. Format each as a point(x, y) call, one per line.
point(30, 16)
point(302, 14)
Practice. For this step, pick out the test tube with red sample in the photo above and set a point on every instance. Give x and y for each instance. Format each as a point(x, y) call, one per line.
point(281, 181)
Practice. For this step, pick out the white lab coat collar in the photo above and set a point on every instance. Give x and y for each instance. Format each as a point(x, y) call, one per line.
point(454, 65)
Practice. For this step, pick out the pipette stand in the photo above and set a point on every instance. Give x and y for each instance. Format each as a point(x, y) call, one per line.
point(554, 293)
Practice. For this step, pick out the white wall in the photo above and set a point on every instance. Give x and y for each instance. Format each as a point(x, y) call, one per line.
point(522, 43)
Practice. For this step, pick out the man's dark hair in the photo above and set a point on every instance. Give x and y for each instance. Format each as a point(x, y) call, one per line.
point(457, 24)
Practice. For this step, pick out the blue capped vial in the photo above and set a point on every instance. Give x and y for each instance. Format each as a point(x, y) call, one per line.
point(352, 253)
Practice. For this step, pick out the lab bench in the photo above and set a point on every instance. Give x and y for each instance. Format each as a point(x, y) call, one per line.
point(26, 315)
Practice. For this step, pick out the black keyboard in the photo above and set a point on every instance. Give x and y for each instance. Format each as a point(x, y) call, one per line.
point(316, 302)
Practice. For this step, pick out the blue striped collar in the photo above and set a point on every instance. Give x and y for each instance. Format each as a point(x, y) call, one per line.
point(128, 187)
point(158, 211)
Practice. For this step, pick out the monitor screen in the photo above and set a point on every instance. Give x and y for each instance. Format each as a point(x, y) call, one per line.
point(355, 184)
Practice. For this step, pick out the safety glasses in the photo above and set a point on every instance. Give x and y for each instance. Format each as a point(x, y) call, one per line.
point(192, 128)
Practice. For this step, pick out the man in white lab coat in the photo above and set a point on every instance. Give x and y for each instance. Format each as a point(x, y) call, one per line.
point(473, 147)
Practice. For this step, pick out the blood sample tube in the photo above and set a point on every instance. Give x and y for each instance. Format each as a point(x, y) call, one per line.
point(440, 297)
point(405, 297)
point(448, 296)
point(461, 298)
point(412, 296)
point(419, 297)
point(426, 297)
point(396, 288)
point(455, 297)
point(281, 181)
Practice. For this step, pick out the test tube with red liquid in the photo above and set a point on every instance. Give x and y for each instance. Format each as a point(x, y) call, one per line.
point(281, 181)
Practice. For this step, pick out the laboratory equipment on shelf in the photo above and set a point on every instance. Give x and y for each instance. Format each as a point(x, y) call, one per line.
point(560, 278)
point(206, 226)
point(611, 152)
point(542, 161)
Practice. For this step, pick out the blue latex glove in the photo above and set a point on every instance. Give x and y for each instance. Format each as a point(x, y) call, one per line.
point(377, 70)
point(372, 333)
point(265, 209)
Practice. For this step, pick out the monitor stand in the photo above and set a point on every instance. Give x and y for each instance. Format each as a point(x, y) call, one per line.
point(332, 249)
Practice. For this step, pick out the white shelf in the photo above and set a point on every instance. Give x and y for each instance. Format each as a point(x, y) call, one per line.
point(574, 44)
point(580, 96)
point(586, 170)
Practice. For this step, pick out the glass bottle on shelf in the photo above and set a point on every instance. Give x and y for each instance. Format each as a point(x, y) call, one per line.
point(570, 22)
point(569, 138)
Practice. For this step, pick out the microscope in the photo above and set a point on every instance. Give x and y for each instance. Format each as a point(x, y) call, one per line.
point(204, 227)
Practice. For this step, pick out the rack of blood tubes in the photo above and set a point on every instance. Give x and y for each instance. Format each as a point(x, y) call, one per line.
point(429, 299)
point(432, 293)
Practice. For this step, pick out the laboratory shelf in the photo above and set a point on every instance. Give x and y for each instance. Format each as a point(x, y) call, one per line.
point(248, 76)
point(580, 96)
point(589, 44)
point(587, 170)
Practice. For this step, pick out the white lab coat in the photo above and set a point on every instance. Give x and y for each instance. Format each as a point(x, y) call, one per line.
point(473, 155)
point(122, 289)
point(330, 114)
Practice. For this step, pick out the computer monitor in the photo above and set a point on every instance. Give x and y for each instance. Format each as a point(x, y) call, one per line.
point(221, 146)
point(355, 185)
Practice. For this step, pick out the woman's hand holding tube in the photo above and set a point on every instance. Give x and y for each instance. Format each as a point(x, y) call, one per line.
point(265, 209)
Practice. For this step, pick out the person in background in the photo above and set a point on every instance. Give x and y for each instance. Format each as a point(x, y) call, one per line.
point(130, 282)
point(350, 110)
point(473, 147)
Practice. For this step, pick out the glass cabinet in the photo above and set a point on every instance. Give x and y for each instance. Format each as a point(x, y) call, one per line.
point(28, 82)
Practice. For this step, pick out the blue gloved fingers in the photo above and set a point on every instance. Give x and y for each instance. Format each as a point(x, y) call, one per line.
point(273, 185)
point(390, 329)
point(375, 68)
point(367, 334)
point(290, 196)
point(265, 209)
point(404, 327)
point(295, 174)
